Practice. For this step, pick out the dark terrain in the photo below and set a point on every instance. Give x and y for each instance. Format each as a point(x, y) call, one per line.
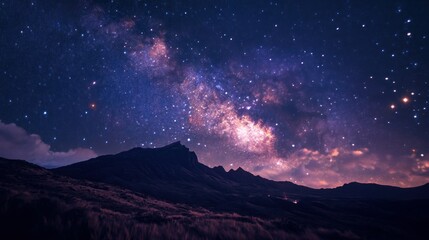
point(167, 193)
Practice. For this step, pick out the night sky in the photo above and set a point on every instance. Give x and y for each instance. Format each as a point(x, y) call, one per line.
point(319, 93)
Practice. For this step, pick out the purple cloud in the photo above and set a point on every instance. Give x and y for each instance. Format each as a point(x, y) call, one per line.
point(16, 143)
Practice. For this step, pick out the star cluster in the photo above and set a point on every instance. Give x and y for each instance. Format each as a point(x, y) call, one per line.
point(315, 93)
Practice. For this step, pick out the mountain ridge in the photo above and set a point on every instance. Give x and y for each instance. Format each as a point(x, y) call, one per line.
point(177, 168)
point(172, 176)
point(38, 204)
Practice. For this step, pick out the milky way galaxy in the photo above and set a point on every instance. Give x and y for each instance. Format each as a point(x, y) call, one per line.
point(319, 94)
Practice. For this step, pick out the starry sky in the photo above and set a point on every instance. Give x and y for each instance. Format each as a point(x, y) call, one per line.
point(319, 93)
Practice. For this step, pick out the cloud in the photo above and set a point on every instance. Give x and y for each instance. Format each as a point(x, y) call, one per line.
point(317, 169)
point(16, 143)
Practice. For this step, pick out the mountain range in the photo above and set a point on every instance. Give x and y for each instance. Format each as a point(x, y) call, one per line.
point(169, 189)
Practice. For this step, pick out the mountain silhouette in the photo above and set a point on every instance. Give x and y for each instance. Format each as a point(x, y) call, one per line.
point(38, 204)
point(168, 189)
point(173, 173)
point(376, 191)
